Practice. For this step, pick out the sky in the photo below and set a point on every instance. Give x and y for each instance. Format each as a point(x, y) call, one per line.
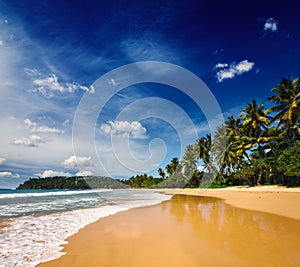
point(71, 105)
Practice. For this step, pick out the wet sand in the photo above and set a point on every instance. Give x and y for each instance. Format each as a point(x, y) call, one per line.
point(188, 231)
point(275, 199)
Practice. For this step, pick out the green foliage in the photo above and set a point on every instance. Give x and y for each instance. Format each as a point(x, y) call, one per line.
point(174, 181)
point(219, 183)
point(246, 172)
point(75, 182)
point(142, 181)
point(289, 161)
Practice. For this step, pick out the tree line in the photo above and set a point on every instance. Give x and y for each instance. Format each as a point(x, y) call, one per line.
point(260, 146)
point(74, 182)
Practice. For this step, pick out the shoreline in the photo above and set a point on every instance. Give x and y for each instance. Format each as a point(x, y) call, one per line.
point(173, 232)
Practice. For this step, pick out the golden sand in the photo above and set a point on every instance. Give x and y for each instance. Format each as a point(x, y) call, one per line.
point(272, 199)
point(192, 231)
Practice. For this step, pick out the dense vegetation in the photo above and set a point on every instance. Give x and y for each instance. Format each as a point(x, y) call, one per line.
point(142, 181)
point(75, 182)
point(258, 147)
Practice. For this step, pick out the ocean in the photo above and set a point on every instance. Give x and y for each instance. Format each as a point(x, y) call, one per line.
point(34, 224)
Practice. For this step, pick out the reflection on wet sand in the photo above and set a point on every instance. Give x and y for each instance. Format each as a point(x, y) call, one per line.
point(252, 238)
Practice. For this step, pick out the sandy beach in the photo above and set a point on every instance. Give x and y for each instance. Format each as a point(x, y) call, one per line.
point(229, 227)
point(273, 199)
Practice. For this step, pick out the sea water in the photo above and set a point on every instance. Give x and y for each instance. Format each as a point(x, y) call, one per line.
point(34, 224)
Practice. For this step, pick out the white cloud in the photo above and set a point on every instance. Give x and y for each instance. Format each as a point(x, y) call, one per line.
point(243, 66)
point(43, 92)
point(51, 173)
point(31, 72)
point(84, 173)
point(72, 87)
point(74, 162)
point(221, 65)
point(271, 25)
point(50, 84)
point(125, 129)
point(32, 153)
point(1, 42)
point(225, 74)
point(9, 175)
point(92, 89)
point(113, 82)
point(234, 69)
point(33, 141)
point(41, 129)
point(2, 160)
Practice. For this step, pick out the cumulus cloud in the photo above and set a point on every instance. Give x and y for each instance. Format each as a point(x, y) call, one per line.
point(9, 175)
point(32, 141)
point(50, 84)
point(230, 71)
point(2, 160)
point(271, 25)
point(74, 162)
point(41, 129)
point(51, 173)
point(125, 129)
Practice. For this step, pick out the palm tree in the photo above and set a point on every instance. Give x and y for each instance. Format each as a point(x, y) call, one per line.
point(233, 127)
point(202, 149)
point(254, 122)
point(173, 167)
point(234, 153)
point(219, 149)
point(161, 173)
point(254, 117)
point(287, 106)
point(260, 163)
point(189, 160)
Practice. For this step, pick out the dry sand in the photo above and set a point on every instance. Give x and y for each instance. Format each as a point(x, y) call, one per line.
point(193, 231)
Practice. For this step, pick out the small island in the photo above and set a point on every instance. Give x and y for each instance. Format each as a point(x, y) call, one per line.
point(73, 182)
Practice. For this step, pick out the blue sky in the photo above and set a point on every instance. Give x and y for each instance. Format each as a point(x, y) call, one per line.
point(52, 52)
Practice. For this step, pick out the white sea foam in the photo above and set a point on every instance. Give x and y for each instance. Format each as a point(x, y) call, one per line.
point(30, 240)
point(53, 193)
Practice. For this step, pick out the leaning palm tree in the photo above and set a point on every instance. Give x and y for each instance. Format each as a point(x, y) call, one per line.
point(202, 149)
point(254, 123)
point(287, 107)
point(173, 167)
point(236, 144)
point(254, 117)
point(233, 127)
point(189, 161)
point(219, 150)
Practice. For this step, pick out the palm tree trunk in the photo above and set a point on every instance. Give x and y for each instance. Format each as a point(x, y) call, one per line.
point(259, 177)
